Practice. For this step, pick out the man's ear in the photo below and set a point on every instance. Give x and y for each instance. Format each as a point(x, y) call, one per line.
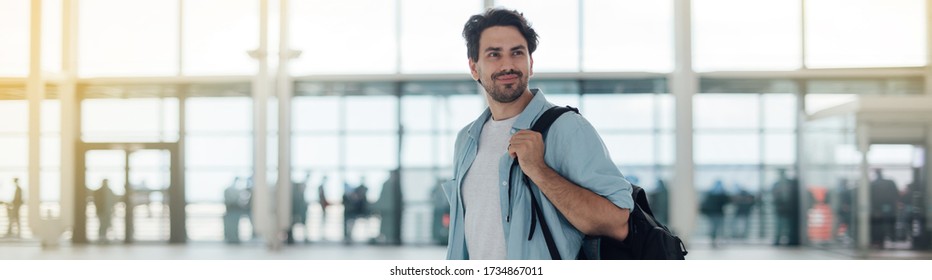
point(473, 71)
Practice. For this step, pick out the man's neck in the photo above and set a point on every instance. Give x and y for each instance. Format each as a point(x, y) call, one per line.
point(504, 111)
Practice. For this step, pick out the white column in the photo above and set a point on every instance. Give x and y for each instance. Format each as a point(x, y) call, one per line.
point(35, 90)
point(284, 120)
point(928, 84)
point(69, 111)
point(261, 199)
point(684, 83)
point(863, 197)
point(924, 177)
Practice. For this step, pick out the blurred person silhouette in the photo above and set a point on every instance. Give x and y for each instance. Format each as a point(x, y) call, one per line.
point(744, 203)
point(104, 201)
point(713, 207)
point(245, 197)
point(234, 211)
point(440, 228)
point(13, 210)
point(914, 202)
point(844, 210)
point(786, 202)
point(299, 208)
point(349, 213)
point(660, 202)
point(884, 198)
point(322, 201)
point(390, 207)
point(356, 206)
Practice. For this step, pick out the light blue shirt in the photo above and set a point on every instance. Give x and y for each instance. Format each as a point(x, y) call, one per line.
point(573, 149)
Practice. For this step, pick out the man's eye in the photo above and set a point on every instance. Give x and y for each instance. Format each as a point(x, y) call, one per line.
point(517, 53)
point(493, 54)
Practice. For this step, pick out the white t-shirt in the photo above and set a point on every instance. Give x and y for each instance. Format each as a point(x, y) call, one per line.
point(485, 237)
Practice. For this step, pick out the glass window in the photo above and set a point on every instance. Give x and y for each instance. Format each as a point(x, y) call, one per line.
point(564, 99)
point(731, 177)
point(779, 111)
point(419, 151)
point(128, 38)
point(344, 37)
point(216, 40)
point(726, 111)
point(208, 186)
point(746, 35)
point(108, 120)
point(219, 151)
point(431, 35)
point(630, 149)
point(667, 115)
point(627, 35)
point(372, 113)
point(464, 109)
point(819, 101)
point(865, 33)
point(51, 36)
point(890, 154)
point(50, 151)
point(106, 164)
point(50, 185)
point(446, 150)
point(617, 111)
point(211, 114)
point(779, 148)
point(730, 148)
point(557, 24)
point(15, 116)
point(317, 113)
point(417, 113)
point(316, 151)
point(846, 154)
point(15, 151)
point(667, 149)
point(372, 151)
point(14, 33)
point(51, 117)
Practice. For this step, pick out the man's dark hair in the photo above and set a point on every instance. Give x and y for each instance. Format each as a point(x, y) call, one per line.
point(496, 17)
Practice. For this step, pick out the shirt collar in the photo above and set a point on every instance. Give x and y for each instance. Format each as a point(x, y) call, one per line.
point(530, 113)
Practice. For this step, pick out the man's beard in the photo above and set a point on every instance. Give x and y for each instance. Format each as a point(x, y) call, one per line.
point(511, 92)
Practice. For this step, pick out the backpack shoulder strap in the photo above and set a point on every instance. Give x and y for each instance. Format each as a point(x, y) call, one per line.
point(542, 125)
point(545, 120)
point(640, 199)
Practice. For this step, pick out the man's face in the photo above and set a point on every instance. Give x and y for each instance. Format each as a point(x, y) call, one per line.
point(504, 64)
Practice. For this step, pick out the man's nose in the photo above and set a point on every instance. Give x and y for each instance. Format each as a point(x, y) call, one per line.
point(508, 64)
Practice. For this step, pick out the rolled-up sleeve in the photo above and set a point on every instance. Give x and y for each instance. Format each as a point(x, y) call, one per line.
point(576, 151)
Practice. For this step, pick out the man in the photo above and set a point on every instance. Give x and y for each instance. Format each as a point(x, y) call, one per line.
point(298, 209)
point(884, 199)
point(322, 200)
point(713, 207)
point(581, 192)
point(234, 211)
point(786, 204)
point(104, 200)
point(15, 205)
point(390, 207)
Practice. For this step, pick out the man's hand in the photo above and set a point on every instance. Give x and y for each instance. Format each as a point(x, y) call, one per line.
point(528, 147)
point(589, 212)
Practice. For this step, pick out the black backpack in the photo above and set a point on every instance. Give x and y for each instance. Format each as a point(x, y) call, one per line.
point(647, 238)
